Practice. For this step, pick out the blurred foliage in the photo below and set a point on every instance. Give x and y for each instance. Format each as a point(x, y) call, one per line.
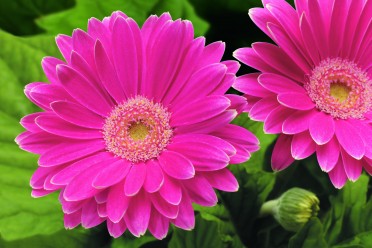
point(345, 219)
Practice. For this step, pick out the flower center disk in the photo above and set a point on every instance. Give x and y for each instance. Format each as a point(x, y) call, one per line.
point(137, 130)
point(340, 88)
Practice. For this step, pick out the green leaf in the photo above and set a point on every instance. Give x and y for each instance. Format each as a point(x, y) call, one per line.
point(350, 213)
point(311, 235)
point(359, 241)
point(62, 239)
point(139, 10)
point(21, 216)
point(129, 241)
point(17, 16)
point(205, 234)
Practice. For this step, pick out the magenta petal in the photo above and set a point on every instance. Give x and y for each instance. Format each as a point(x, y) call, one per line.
point(298, 122)
point(282, 157)
point(328, 155)
point(64, 176)
point(279, 84)
point(77, 114)
point(186, 215)
point(64, 44)
point(49, 65)
point(83, 91)
point(176, 165)
point(72, 220)
point(337, 175)
point(262, 108)
point(353, 167)
point(248, 84)
point(299, 101)
point(135, 178)
point(166, 209)
point(89, 215)
point(322, 128)
point(116, 229)
point(67, 152)
point(200, 191)
point(117, 203)
point(200, 110)
point(274, 121)
point(154, 177)
point(158, 225)
point(222, 180)
point(112, 174)
point(57, 126)
point(137, 216)
point(202, 156)
point(302, 146)
point(107, 73)
point(350, 139)
point(171, 191)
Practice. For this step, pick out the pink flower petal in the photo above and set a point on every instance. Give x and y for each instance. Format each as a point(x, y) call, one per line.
point(49, 65)
point(64, 44)
point(248, 84)
point(117, 203)
point(158, 225)
point(282, 157)
point(262, 108)
point(297, 101)
point(328, 154)
point(337, 174)
point(55, 125)
point(200, 110)
point(200, 191)
point(176, 165)
point(353, 167)
point(135, 178)
point(137, 216)
point(89, 215)
point(67, 152)
point(154, 177)
point(83, 91)
point(322, 128)
point(302, 146)
point(107, 73)
point(116, 229)
point(171, 191)
point(274, 121)
point(298, 122)
point(222, 180)
point(186, 215)
point(279, 84)
point(166, 209)
point(112, 174)
point(64, 176)
point(72, 220)
point(77, 114)
point(128, 59)
point(354, 146)
point(201, 155)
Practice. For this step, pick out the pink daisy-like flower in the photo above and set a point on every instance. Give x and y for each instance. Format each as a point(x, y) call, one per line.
point(135, 125)
point(315, 87)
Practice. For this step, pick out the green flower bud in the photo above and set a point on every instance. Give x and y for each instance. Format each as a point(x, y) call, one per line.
point(293, 208)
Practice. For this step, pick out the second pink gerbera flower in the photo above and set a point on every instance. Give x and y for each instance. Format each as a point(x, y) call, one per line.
point(315, 87)
point(135, 125)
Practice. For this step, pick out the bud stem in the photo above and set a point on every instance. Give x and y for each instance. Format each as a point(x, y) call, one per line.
point(268, 208)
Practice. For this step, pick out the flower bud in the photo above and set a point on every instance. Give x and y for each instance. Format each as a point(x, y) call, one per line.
point(293, 208)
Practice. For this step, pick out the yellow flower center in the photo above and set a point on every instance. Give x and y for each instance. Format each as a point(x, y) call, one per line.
point(339, 91)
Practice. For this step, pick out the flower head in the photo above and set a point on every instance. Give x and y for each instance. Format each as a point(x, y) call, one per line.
point(293, 208)
point(135, 125)
point(315, 87)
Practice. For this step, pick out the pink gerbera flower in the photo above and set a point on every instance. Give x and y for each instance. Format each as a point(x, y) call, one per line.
point(135, 125)
point(315, 87)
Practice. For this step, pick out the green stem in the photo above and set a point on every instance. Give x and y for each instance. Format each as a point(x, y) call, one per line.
point(268, 208)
